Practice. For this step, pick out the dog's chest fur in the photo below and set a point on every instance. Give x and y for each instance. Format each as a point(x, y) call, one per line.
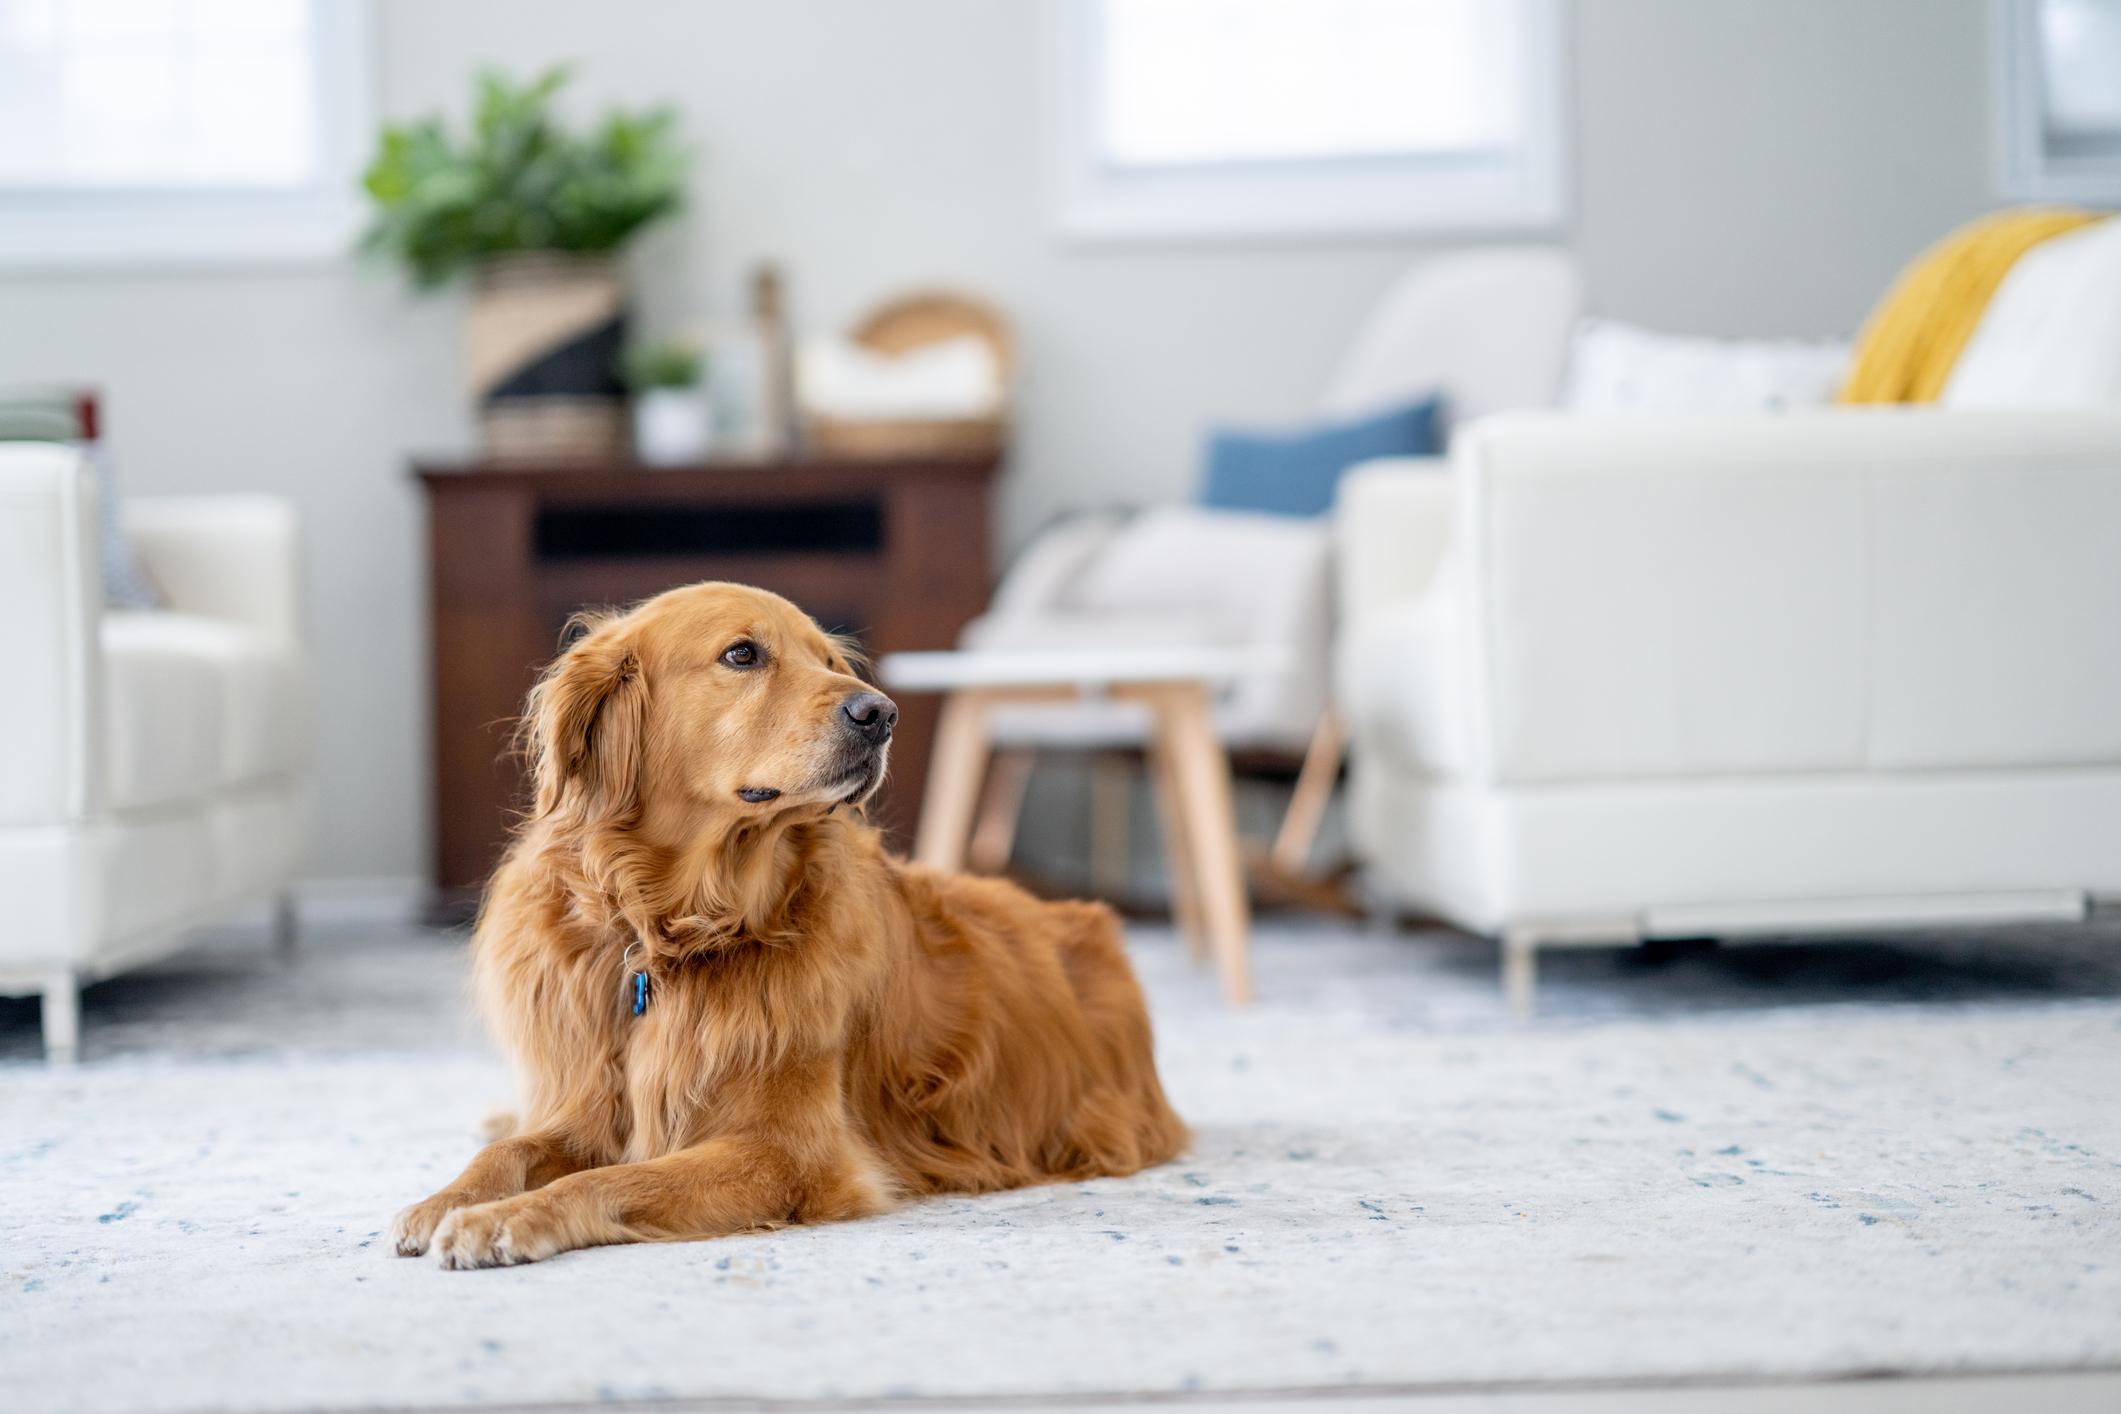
point(723, 1036)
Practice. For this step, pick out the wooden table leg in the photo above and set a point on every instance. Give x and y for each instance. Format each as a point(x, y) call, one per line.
point(1178, 855)
point(956, 764)
point(1201, 771)
point(1314, 787)
point(994, 833)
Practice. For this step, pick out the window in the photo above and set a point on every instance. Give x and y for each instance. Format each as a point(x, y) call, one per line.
point(156, 131)
point(1205, 118)
point(2059, 90)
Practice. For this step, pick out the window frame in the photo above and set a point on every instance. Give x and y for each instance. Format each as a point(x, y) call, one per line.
point(147, 227)
point(2024, 170)
point(1525, 190)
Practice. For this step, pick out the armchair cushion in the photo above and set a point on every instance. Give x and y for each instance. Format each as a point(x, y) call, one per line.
point(231, 557)
point(193, 704)
point(1176, 576)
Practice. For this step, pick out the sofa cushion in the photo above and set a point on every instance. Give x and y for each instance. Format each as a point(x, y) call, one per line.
point(192, 704)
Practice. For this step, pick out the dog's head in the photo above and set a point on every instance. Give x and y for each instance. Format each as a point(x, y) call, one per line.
point(706, 706)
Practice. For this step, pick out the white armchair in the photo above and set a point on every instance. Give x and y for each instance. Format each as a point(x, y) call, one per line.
point(156, 760)
point(1616, 679)
point(1486, 329)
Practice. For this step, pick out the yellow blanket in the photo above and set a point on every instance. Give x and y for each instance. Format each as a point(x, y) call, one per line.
point(1909, 344)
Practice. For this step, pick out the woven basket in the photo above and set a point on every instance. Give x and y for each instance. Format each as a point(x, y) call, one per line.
point(910, 323)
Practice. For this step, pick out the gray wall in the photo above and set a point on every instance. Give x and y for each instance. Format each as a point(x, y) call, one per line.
point(1739, 168)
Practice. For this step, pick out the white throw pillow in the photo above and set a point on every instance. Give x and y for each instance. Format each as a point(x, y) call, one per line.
point(2051, 336)
point(1618, 368)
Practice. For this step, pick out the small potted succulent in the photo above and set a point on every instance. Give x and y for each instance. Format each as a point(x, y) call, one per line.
point(534, 215)
point(670, 417)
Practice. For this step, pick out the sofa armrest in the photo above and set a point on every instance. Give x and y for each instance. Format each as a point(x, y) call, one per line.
point(1391, 523)
point(229, 557)
point(51, 586)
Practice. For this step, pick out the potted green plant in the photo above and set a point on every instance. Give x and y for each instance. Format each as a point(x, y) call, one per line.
point(534, 215)
point(670, 418)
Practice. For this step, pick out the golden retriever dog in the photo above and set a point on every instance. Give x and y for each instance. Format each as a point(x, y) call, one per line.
point(728, 1008)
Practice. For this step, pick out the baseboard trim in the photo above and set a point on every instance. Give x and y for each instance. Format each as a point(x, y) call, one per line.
point(374, 900)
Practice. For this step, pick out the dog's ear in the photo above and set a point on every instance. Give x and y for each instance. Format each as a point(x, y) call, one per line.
point(584, 728)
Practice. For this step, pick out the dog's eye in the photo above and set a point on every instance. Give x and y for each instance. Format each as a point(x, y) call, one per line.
point(741, 655)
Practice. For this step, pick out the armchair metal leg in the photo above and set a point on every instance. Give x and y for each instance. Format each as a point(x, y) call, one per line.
point(62, 1017)
point(1520, 976)
point(286, 925)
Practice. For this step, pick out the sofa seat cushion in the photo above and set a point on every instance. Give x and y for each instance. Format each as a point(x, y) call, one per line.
point(193, 704)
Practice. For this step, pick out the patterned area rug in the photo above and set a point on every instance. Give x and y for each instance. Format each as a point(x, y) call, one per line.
point(1389, 1188)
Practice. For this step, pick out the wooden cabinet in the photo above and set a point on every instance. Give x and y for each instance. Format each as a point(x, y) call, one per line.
point(895, 552)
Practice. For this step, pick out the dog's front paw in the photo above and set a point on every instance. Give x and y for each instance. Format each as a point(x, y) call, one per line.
point(499, 1234)
point(412, 1231)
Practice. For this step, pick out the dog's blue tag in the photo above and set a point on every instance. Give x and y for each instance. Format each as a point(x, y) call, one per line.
point(640, 993)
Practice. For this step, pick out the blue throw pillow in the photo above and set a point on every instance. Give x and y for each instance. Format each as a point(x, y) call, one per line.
point(1294, 473)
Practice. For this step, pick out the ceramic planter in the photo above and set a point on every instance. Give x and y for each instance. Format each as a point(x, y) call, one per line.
point(541, 349)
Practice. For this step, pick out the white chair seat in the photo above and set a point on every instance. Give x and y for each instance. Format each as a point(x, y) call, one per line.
point(194, 704)
point(1176, 578)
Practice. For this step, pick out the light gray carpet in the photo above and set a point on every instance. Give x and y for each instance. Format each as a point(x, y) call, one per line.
point(1777, 1161)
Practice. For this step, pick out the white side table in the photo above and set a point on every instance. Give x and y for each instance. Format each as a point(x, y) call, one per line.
point(1187, 766)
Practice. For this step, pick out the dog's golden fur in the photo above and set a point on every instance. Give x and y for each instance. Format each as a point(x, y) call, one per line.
point(827, 1028)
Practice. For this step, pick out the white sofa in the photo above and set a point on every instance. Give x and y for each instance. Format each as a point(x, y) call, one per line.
point(1614, 679)
point(156, 773)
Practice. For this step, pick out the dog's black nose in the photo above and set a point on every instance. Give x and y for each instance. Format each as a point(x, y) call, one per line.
point(872, 714)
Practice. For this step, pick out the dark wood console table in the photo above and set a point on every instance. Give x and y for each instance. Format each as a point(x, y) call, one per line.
point(893, 551)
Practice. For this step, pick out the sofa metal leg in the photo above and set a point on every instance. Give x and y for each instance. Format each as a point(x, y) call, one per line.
point(286, 930)
point(62, 1017)
point(1520, 974)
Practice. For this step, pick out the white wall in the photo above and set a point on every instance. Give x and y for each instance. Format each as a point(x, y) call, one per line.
point(1757, 168)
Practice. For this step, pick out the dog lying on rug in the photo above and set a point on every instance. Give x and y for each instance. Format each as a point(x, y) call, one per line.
point(727, 1007)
